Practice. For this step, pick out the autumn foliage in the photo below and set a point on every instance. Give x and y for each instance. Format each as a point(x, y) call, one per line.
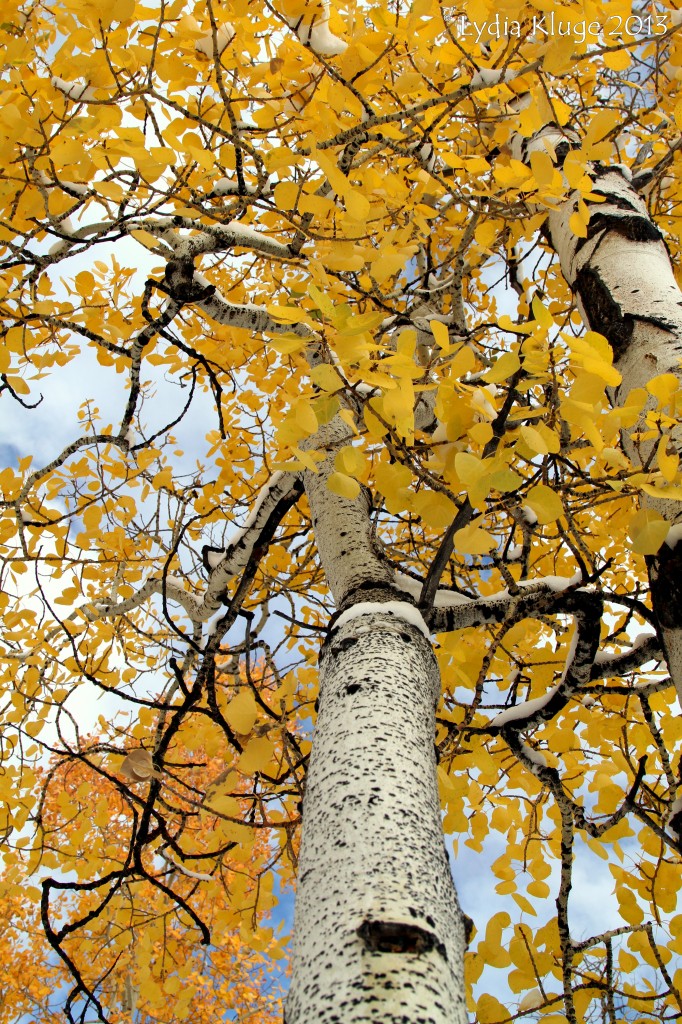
point(139, 937)
point(291, 217)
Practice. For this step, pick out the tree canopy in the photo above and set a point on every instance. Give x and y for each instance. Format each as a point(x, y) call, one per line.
point(415, 261)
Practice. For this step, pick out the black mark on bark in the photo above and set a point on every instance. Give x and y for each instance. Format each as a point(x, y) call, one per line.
point(665, 574)
point(343, 645)
point(398, 937)
point(603, 311)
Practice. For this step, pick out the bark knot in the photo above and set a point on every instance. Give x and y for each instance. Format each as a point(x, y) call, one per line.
point(398, 937)
point(343, 645)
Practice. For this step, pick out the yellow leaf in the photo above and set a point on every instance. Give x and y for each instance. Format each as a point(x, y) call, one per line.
point(233, 831)
point(577, 225)
point(487, 232)
point(675, 926)
point(493, 954)
point(490, 1010)
point(441, 334)
point(351, 461)
point(357, 205)
point(503, 368)
point(242, 711)
point(512, 175)
point(557, 59)
point(18, 385)
point(434, 509)
point(474, 474)
point(534, 440)
point(375, 427)
point(541, 313)
point(476, 165)
point(667, 463)
point(469, 468)
point(319, 206)
point(574, 169)
point(671, 493)
point(602, 124)
point(627, 962)
point(472, 540)
point(481, 433)
point(462, 362)
point(304, 416)
point(286, 194)
point(545, 502)
point(618, 60)
point(308, 458)
point(398, 408)
point(288, 314)
point(387, 264)
point(145, 238)
point(338, 181)
point(257, 755)
point(539, 889)
point(542, 167)
point(282, 156)
point(110, 190)
point(343, 485)
point(663, 387)
point(550, 438)
point(286, 344)
point(647, 531)
point(629, 908)
point(596, 356)
point(505, 323)
point(526, 906)
point(505, 480)
point(393, 480)
point(222, 803)
point(322, 301)
point(325, 408)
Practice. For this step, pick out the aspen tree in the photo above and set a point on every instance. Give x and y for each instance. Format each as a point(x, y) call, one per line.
point(416, 590)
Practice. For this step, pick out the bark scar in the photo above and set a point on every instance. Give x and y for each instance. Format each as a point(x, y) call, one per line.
point(398, 937)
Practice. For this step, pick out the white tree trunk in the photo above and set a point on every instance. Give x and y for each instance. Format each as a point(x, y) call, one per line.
point(344, 535)
point(378, 933)
point(624, 282)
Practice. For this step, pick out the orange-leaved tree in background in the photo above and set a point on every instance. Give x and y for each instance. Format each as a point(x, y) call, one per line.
point(126, 923)
point(342, 339)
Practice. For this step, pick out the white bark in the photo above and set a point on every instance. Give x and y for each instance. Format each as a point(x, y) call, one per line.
point(627, 290)
point(378, 932)
point(348, 551)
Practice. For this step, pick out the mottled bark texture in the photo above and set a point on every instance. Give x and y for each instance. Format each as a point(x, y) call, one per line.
point(378, 931)
point(344, 534)
point(625, 284)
